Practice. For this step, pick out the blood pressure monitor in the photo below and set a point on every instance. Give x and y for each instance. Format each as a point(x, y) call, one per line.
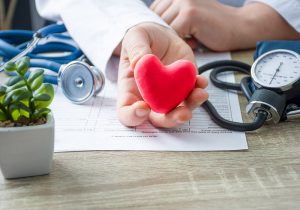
point(278, 70)
point(272, 87)
point(276, 77)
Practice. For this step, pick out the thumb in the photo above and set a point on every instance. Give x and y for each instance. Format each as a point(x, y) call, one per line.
point(136, 44)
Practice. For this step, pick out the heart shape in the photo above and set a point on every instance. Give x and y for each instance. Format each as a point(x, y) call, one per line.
point(163, 88)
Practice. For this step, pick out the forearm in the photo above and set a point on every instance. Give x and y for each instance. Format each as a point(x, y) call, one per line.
point(258, 21)
point(222, 28)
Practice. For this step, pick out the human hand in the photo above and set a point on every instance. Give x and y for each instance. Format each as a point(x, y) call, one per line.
point(150, 38)
point(221, 27)
point(202, 21)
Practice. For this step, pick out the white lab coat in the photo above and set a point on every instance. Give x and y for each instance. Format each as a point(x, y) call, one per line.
point(98, 26)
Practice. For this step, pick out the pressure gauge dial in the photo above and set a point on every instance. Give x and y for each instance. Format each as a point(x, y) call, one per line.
point(277, 69)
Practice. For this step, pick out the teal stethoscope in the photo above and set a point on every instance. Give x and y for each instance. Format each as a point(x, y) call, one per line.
point(78, 79)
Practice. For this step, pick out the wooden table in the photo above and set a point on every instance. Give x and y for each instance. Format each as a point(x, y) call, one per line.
point(267, 176)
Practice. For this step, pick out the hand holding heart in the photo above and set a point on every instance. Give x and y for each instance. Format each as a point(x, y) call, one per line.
point(177, 101)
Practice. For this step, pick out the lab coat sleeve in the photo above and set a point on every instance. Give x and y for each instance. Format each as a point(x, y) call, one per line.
point(288, 9)
point(97, 26)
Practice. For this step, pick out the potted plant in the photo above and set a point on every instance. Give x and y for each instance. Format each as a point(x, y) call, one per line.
point(26, 124)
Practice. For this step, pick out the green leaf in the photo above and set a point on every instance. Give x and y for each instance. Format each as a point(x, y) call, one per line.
point(44, 89)
point(1, 99)
point(17, 95)
point(21, 95)
point(10, 67)
point(19, 109)
point(34, 74)
point(14, 112)
point(20, 106)
point(2, 116)
point(7, 99)
point(23, 65)
point(42, 97)
point(2, 90)
point(16, 86)
point(24, 113)
point(37, 82)
point(25, 102)
point(13, 93)
point(40, 112)
point(13, 80)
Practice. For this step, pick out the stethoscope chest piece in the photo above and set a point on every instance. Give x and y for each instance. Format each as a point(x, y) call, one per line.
point(79, 81)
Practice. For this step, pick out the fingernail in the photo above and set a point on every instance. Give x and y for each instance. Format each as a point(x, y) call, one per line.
point(141, 112)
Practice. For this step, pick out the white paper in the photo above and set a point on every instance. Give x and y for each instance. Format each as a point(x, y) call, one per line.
point(95, 126)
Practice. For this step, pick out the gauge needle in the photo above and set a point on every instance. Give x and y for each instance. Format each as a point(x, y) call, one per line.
point(277, 70)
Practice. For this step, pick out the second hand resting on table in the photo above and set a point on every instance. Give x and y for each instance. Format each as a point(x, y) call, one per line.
point(221, 27)
point(150, 38)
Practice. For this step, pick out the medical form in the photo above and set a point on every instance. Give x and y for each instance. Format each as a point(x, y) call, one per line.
point(95, 126)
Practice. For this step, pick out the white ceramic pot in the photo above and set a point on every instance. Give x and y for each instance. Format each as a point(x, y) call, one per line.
point(27, 151)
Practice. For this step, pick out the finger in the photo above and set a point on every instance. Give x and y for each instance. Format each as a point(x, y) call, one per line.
point(136, 44)
point(162, 6)
point(181, 25)
point(192, 42)
point(170, 13)
point(182, 51)
point(154, 4)
point(174, 118)
point(201, 82)
point(134, 114)
point(197, 97)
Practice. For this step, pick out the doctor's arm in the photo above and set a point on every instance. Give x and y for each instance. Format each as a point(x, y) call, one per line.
point(221, 27)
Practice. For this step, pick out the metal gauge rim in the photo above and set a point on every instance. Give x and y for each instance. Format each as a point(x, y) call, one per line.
point(61, 74)
point(259, 83)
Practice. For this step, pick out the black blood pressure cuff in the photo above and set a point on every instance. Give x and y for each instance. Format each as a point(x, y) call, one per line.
point(266, 46)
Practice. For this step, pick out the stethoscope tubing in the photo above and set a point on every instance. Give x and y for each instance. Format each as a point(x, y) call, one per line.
point(51, 29)
point(13, 42)
point(245, 86)
point(8, 50)
point(45, 64)
point(223, 66)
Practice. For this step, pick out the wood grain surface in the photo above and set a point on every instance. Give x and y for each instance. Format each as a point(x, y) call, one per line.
point(264, 177)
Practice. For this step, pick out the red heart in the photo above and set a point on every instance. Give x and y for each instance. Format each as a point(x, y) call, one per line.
point(164, 87)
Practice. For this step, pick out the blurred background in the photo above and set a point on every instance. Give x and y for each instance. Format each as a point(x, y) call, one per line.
point(19, 14)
